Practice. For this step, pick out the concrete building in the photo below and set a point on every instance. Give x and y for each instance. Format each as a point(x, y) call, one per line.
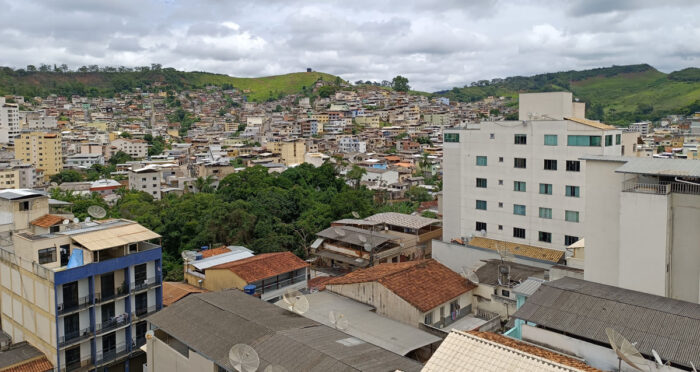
point(146, 179)
point(291, 151)
point(136, 148)
point(351, 144)
point(642, 127)
point(41, 149)
point(84, 160)
point(9, 178)
point(522, 181)
point(642, 229)
point(37, 120)
point(9, 121)
point(79, 292)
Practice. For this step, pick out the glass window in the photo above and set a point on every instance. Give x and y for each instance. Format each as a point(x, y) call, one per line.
point(481, 204)
point(608, 140)
point(519, 162)
point(570, 239)
point(618, 139)
point(550, 164)
point(583, 140)
point(595, 141)
point(545, 237)
point(573, 166)
point(573, 191)
point(505, 293)
point(481, 182)
point(451, 137)
point(550, 139)
point(480, 226)
point(481, 160)
point(500, 159)
point(571, 216)
point(546, 188)
point(521, 139)
point(519, 209)
point(47, 255)
point(518, 186)
point(429, 318)
point(546, 213)
point(518, 233)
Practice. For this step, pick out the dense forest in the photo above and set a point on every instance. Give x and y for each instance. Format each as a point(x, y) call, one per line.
point(262, 211)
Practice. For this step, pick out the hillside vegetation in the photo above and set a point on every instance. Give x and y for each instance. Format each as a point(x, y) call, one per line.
point(617, 95)
point(109, 81)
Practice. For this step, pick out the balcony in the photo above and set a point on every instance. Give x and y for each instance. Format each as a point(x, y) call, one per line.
point(118, 292)
point(74, 337)
point(146, 284)
point(660, 188)
point(107, 356)
point(144, 312)
point(111, 324)
point(280, 284)
point(83, 364)
point(70, 306)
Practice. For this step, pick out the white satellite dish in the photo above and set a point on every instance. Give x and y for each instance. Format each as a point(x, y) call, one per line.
point(362, 238)
point(355, 214)
point(338, 319)
point(243, 358)
point(339, 231)
point(76, 220)
point(188, 255)
point(625, 350)
point(275, 368)
point(470, 275)
point(296, 301)
point(657, 357)
point(96, 211)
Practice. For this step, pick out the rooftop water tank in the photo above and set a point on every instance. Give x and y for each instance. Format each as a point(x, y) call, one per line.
point(249, 289)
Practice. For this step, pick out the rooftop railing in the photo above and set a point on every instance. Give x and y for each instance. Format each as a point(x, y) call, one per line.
point(112, 323)
point(143, 312)
point(660, 188)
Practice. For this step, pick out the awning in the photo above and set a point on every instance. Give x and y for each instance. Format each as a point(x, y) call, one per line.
point(342, 258)
point(114, 237)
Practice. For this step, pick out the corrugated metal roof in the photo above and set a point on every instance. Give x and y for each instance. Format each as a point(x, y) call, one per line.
point(528, 287)
point(584, 309)
point(115, 236)
point(662, 167)
point(355, 236)
point(12, 194)
point(223, 258)
point(403, 220)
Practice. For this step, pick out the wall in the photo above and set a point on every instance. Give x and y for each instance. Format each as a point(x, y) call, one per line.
point(386, 302)
point(556, 105)
point(163, 358)
point(458, 257)
point(219, 279)
point(685, 255)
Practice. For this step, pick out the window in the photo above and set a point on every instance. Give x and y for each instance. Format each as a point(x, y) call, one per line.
point(518, 186)
point(505, 293)
point(429, 318)
point(500, 227)
point(571, 216)
point(492, 136)
point(500, 159)
point(54, 229)
point(608, 140)
point(618, 139)
point(481, 161)
point(519, 162)
point(521, 139)
point(140, 273)
point(481, 204)
point(591, 141)
point(569, 240)
point(500, 182)
point(500, 204)
point(24, 206)
point(550, 164)
point(47, 255)
point(573, 191)
point(451, 137)
point(573, 166)
point(550, 139)
point(545, 237)
point(481, 182)
point(480, 226)
point(519, 209)
point(518, 233)
point(546, 188)
point(546, 213)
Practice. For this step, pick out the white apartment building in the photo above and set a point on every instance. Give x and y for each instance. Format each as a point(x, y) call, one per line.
point(9, 121)
point(643, 230)
point(147, 179)
point(350, 144)
point(641, 127)
point(84, 160)
point(37, 120)
point(135, 148)
point(523, 181)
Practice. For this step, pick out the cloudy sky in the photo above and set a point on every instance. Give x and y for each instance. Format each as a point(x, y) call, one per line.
point(436, 44)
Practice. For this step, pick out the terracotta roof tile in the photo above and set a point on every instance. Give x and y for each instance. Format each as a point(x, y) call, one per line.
point(319, 282)
point(264, 265)
point(215, 251)
point(535, 350)
point(175, 291)
point(40, 364)
point(47, 220)
point(424, 284)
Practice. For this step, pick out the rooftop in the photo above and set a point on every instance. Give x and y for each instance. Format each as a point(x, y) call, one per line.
point(218, 320)
point(592, 123)
point(48, 220)
point(264, 265)
point(424, 284)
point(489, 273)
point(524, 250)
point(355, 236)
point(13, 194)
point(653, 166)
point(25, 358)
point(403, 220)
point(175, 291)
point(112, 236)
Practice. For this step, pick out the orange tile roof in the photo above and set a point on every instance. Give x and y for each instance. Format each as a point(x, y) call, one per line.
point(424, 284)
point(215, 251)
point(47, 220)
point(535, 350)
point(591, 123)
point(539, 253)
point(264, 265)
point(175, 291)
point(40, 364)
point(319, 282)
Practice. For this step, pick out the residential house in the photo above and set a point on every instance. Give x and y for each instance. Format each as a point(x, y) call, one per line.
point(146, 179)
point(196, 270)
point(136, 148)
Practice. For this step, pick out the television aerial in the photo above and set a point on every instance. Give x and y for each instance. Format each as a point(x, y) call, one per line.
point(296, 301)
point(625, 350)
point(338, 319)
point(275, 368)
point(243, 358)
point(505, 253)
point(96, 211)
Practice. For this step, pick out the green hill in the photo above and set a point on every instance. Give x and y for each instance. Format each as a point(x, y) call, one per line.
point(111, 81)
point(616, 95)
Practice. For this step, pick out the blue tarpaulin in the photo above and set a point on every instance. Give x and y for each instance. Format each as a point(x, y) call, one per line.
point(76, 258)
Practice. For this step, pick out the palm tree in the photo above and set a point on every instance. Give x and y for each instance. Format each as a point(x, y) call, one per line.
point(204, 184)
point(356, 174)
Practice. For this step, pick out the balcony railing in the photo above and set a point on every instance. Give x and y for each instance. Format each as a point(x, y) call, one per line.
point(77, 364)
point(148, 283)
point(118, 292)
point(660, 188)
point(143, 312)
point(69, 306)
point(74, 336)
point(140, 341)
point(109, 355)
point(111, 324)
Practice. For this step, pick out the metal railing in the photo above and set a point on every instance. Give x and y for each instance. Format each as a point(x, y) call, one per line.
point(150, 282)
point(73, 365)
point(685, 188)
point(123, 290)
point(661, 188)
point(74, 336)
point(113, 323)
point(106, 356)
point(142, 312)
point(280, 284)
point(82, 302)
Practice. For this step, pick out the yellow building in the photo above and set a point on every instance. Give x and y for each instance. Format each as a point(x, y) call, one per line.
point(9, 179)
point(371, 121)
point(42, 149)
point(291, 152)
point(321, 118)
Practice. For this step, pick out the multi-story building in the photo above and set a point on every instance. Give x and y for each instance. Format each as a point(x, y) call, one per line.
point(642, 127)
point(642, 225)
point(80, 291)
point(9, 121)
point(9, 178)
point(41, 149)
point(136, 148)
point(291, 152)
point(523, 181)
point(37, 120)
point(84, 160)
point(350, 144)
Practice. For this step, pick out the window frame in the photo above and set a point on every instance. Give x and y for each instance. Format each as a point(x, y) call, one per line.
point(544, 236)
point(482, 203)
point(519, 209)
point(485, 183)
point(517, 184)
point(550, 162)
point(608, 140)
point(479, 224)
point(548, 187)
point(568, 213)
point(548, 140)
point(517, 230)
point(575, 191)
point(51, 251)
point(571, 239)
point(547, 213)
point(571, 164)
point(520, 160)
point(520, 139)
point(478, 161)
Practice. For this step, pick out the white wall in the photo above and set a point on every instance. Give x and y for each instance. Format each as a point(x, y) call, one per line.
point(555, 105)
point(685, 251)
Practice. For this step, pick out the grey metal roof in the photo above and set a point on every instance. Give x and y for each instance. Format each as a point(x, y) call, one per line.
point(18, 353)
point(653, 166)
point(528, 287)
point(584, 309)
point(13, 194)
point(403, 220)
point(210, 323)
point(353, 235)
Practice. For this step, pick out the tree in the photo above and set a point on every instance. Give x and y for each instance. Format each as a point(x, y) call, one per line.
point(125, 135)
point(326, 91)
point(400, 84)
point(67, 175)
point(120, 158)
point(204, 184)
point(355, 174)
point(418, 194)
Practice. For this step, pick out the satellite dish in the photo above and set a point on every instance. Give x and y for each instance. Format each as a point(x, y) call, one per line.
point(362, 238)
point(76, 220)
point(483, 232)
point(470, 275)
point(296, 301)
point(275, 368)
point(96, 211)
point(657, 357)
point(188, 255)
point(367, 247)
point(66, 222)
point(243, 358)
point(355, 214)
point(625, 350)
point(338, 319)
point(339, 231)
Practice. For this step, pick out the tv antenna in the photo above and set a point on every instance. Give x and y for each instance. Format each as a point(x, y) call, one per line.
point(96, 211)
point(625, 350)
point(296, 301)
point(243, 358)
point(338, 319)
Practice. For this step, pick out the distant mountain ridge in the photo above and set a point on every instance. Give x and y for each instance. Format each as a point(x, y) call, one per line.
point(616, 95)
